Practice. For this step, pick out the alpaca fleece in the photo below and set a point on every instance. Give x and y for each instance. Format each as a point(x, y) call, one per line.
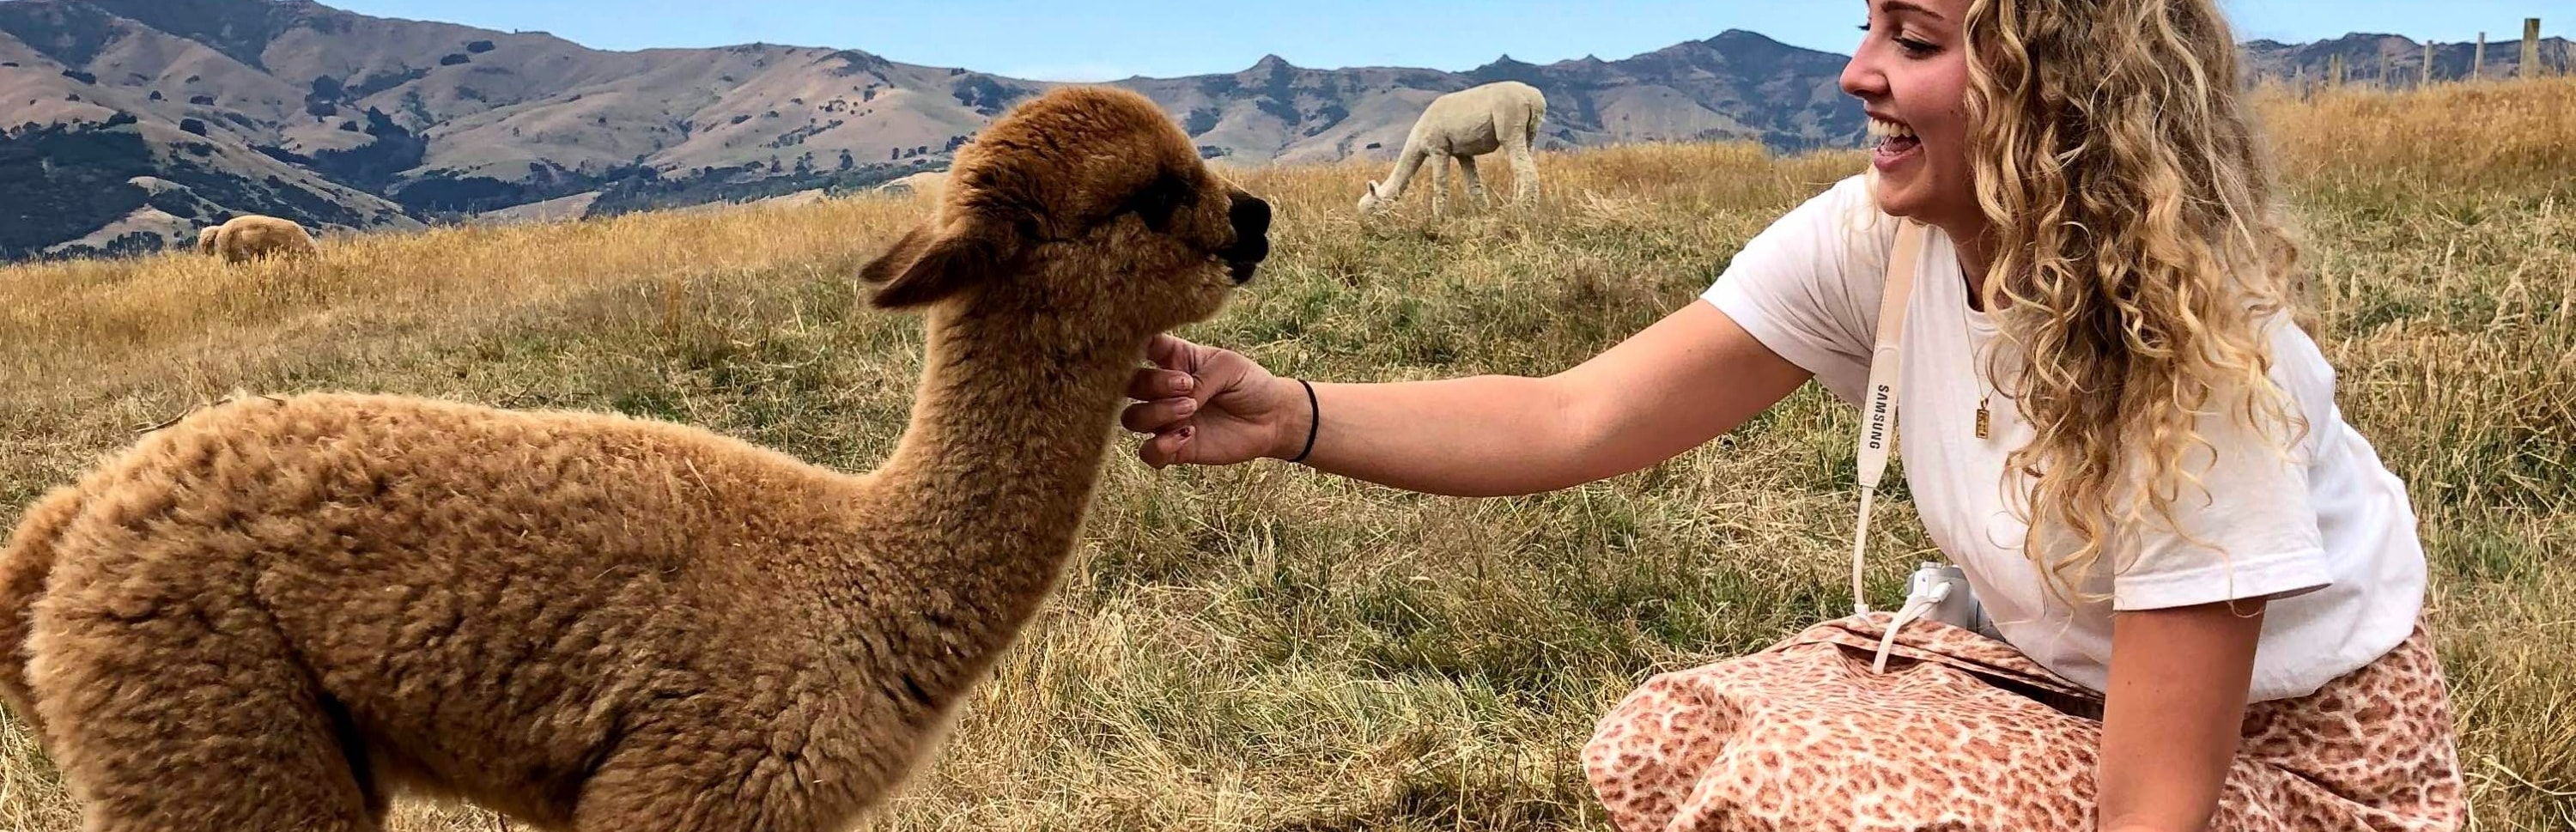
point(278, 613)
point(253, 236)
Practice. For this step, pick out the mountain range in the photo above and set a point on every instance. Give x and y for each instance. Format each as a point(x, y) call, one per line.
point(125, 124)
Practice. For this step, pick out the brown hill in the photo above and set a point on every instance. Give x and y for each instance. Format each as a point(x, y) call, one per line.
point(344, 120)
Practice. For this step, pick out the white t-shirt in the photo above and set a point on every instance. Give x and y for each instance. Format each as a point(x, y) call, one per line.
point(2324, 530)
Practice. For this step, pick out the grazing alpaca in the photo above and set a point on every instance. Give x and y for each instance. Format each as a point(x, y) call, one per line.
point(252, 236)
point(1463, 125)
point(925, 182)
point(279, 612)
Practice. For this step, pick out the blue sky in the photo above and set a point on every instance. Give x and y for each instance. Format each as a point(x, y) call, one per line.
point(1083, 40)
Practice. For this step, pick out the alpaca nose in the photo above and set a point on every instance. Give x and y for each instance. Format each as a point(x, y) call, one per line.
point(1250, 216)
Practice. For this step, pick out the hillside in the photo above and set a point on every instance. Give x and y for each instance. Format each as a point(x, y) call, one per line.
point(379, 121)
point(346, 121)
point(1263, 648)
point(2367, 56)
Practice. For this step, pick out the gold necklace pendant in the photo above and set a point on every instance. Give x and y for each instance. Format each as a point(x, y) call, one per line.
point(1982, 415)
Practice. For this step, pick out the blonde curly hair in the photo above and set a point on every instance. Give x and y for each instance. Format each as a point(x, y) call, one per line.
point(2137, 257)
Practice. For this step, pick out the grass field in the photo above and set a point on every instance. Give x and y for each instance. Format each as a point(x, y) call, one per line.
point(1265, 648)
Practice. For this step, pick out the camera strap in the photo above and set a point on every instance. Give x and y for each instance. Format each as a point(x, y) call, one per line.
point(1878, 433)
point(1878, 409)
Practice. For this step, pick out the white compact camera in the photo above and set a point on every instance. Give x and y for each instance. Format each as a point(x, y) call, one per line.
point(1957, 606)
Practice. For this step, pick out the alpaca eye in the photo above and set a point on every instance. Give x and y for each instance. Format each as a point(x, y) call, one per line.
point(1159, 200)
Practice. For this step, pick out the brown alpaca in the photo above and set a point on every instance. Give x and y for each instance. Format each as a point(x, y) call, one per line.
point(252, 236)
point(277, 613)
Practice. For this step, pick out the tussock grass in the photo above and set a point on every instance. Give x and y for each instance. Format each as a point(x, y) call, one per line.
point(1261, 648)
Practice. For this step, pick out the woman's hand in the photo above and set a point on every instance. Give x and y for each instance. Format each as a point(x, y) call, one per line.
point(1208, 406)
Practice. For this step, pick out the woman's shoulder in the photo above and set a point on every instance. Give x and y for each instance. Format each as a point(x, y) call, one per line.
point(1808, 285)
point(1827, 228)
point(1849, 210)
point(2302, 371)
point(1840, 231)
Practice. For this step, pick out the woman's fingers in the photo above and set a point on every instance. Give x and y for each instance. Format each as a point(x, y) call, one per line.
point(1151, 383)
point(1169, 352)
point(1155, 416)
point(1167, 448)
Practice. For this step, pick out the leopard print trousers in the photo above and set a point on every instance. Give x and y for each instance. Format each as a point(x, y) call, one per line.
point(1965, 733)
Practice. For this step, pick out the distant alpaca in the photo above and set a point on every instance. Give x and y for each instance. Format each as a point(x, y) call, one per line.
point(279, 612)
point(252, 236)
point(1463, 125)
point(926, 182)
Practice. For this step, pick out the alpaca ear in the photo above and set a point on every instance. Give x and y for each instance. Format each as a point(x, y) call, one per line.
point(926, 268)
point(1373, 188)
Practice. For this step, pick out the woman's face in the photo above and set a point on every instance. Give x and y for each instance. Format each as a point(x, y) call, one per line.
point(1911, 73)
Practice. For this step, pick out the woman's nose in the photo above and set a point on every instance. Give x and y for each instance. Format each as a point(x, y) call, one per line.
point(1861, 81)
point(1861, 77)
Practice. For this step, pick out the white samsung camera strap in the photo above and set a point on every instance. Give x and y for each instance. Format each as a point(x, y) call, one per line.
point(1878, 406)
point(1933, 584)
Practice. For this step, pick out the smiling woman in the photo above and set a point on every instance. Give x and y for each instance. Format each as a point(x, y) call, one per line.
point(2177, 486)
point(2114, 429)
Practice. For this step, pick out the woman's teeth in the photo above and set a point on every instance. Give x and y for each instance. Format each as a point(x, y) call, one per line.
point(1891, 136)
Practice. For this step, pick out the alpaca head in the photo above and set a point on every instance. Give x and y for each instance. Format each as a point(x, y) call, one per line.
point(1086, 205)
point(1371, 202)
point(206, 239)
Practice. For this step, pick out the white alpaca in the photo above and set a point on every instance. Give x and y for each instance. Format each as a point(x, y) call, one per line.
point(1463, 125)
point(926, 182)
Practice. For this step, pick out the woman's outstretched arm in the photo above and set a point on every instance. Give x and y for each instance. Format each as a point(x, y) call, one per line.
point(1686, 379)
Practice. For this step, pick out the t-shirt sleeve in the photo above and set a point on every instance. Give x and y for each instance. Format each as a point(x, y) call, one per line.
point(1807, 286)
point(2246, 531)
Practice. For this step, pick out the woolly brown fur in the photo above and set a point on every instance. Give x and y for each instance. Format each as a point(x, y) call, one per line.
point(253, 236)
point(277, 613)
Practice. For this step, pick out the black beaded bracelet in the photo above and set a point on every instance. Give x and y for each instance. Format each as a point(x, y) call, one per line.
point(1312, 422)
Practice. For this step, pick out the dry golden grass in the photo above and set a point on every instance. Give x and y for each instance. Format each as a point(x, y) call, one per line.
point(2460, 139)
point(1263, 648)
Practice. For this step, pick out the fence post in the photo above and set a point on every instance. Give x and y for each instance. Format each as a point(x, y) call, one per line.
point(2478, 63)
point(2531, 47)
point(2334, 70)
point(2427, 80)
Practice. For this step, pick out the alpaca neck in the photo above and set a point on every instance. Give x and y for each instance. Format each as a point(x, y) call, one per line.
point(1406, 164)
point(996, 469)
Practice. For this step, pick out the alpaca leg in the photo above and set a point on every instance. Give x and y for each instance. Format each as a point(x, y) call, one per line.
point(1439, 185)
point(1524, 175)
point(715, 763)
point(1475, 186)
point(24, 567)
point(681, 784)
point(176, 714)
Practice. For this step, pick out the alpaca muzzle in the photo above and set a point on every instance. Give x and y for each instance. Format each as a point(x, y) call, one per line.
point(1250, 216)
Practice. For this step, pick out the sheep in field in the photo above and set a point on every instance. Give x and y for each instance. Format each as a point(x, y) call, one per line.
point(253, 236)
point(278, 613)
point(1502, 116)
